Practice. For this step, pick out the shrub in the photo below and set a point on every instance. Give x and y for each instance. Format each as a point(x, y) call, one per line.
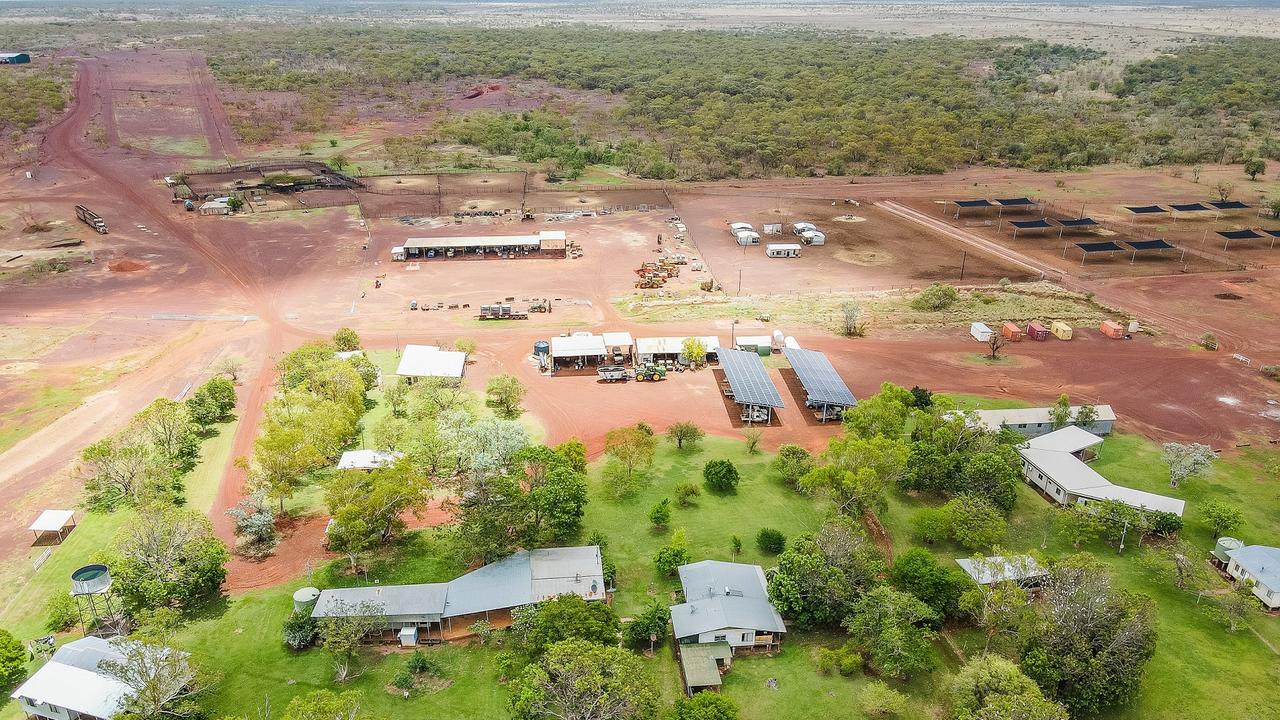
point(403, 679)
point(705, 706)
point(931, 525)
point(878, 700)
point(674, 554)
point(720, 476)
point(1209, 341)
point(1165, 523)
point(60, 613)
point(938, 296)
point(419, 663)
point(13, 660)
point(1271, 372)
point(484, 631)
point(653, 621)
point(771, 541)
point(299, 630)
point(660, 515)
point(685, 493)
point(845, 660)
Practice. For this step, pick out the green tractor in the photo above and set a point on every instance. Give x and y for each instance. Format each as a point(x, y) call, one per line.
point(652, 373)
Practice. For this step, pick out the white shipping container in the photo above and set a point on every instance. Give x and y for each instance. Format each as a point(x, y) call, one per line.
point(980, 331)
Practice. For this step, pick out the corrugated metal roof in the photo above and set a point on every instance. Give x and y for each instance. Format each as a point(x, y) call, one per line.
point(998, 569)
point(674, 345)
point(393, 600)
point(699, 663)
point(74, 680)
point(1064, 469)
point(718, 613)
point(1261, 561)
point(1069, 439)
point(577, 346)
point(994, 419)
point(367, 459)
point(52, 520)
point(618, 339)
point(1139, 499)
point(430, 361)
point(710, 577)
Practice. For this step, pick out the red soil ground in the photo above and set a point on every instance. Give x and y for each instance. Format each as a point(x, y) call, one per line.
point(302, 276)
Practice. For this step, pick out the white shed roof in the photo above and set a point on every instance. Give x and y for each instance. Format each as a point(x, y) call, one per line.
point(367, 459)
point(1065, 469)
point(1135, 498)
point(994, 419)
point(72, 679)
point(1069, 439)
point(52, 520)
point(673, 345)
point(430, 361)
point(618, 339)
point(577, 346)
point(998, 569)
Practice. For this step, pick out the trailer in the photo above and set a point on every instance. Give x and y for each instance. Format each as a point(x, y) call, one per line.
point(500, 312)
point(92, 219)
point(613, 373)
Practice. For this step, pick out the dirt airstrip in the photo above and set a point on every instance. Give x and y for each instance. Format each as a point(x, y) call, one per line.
point(201, 288)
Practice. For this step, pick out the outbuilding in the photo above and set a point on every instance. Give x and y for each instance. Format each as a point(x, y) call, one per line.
point(14, 58)
point(670, 350)
point(1052, 463)
point(544, 244)
point(620, 346)
point(419, 361)
point(73, 684)
point(782, 250)
point(216, 206)
point(1033, 422)
point(814, 237)
point(368, 460)
point(1112, 329)
point(577, 350)
point(1060, 330)
point(59, 523)
point(738, 227)
point(980, 331)
point(1010, 331)
point(1020, 569)
point(747, 237)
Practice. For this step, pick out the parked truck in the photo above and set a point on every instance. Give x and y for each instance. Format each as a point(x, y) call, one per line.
point(92, 219)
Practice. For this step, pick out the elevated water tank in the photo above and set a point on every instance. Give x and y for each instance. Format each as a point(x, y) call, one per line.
point(542, 348)
point(305, 597)
point(91, 580)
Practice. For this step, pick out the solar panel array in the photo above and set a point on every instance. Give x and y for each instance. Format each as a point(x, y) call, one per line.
point(748, 379)
point(820, 380)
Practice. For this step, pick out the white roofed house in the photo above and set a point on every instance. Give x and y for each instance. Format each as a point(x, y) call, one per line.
point(419, 361)
point(368, 460)
point(1033, 422)
point(74, 685)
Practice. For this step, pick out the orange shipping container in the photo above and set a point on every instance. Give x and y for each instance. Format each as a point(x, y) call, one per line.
point(1112, 329)
point(1011, 331)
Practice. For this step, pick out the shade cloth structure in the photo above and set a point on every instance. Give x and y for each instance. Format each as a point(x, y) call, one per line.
point(1031, 224)
point(1248, 234)
point(1096, 247)
point(1229, 205)
point(1145, 209)
point(822, 384)
point(1190, 207)
point(60, 522)
point(1078, 222)
point(1015, 202)
point(972, 203)
point(1157, 245)
point(748, 380)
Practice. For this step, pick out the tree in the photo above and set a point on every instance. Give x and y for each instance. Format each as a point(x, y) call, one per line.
point(1079, 524)
point(893, 628)
point(685, 493)
point(693, 351)
point(299, 630)
point(254, 524)
point(753, 437)
point(229, 366)
point(818, 577)
point(1221, 517)
point(1224, 189)
point(566, 617)
point(735, 546)
point(578, 680)
point(938, 296)
point(1000, 607)
point(338, 162)
point(343, 631)
point(792, 462)
point(771, 541)
point(921, 398)
point(1086, 416)
point(1186, 460)
point(859, 471)
point(346, 340)
point(13, 660)
point(917, 571)
point(466, 346)
point(720, 476)
point(648, 627)
point(395, 393)
point(684, 433)
point(1253, 167)
point(167, 556)
point(161, 680)
point(633, 449)
point(989, 682)
point(931, 525)
point(1234, 608)
point(705, 706)
point(974, 522)
point(1274, 208)
point(674, 554)
point(167, 427)
point(122, 471)
point(878, 700)
point(368, 508)
point(327, 705)
point(884, 414)
point(574, 451)
point(850, 316)
point(996, 343)
point(1060, 413)
point(660, 514)
point(504, 393)
point(212, 402)
point(234, 203)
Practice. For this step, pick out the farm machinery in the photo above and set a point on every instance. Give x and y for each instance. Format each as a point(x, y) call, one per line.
point(500, 312)
point(656, 274)
point(650, 372)
point(613, 373)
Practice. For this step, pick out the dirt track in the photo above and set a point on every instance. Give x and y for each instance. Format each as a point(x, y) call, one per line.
point(304, 275)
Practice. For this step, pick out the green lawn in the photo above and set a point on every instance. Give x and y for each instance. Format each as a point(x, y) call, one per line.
point(761, 501)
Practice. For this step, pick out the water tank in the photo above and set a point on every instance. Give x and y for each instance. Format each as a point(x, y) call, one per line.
point(304, 598)
point(791, 342)
point(777, 337)
point(1223, 546)
point(542, 347)
point(1133, 326)
point(91, 580)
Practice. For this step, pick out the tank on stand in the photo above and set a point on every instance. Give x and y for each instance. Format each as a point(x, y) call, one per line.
point(95, 603)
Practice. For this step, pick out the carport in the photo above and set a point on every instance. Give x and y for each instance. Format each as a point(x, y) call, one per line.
point(828, 395)
point(619, 344)
point(749, 385)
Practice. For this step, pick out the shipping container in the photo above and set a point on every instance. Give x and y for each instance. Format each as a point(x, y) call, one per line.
point(980, 331)
point(1061, 330)
point(1112, 329)
point(1036, 331)
point(1011, 331)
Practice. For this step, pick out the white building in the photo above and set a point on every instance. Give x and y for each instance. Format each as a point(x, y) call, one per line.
point(655, 349)
point(1036, 421)
point(419, 361)
point(1260, 564)
point(368, 460)
point(726, 602)
point(74, 686)
point(1052, 463)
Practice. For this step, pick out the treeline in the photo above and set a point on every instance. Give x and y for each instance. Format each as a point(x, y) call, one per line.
point(716, 104)
point(30, 94)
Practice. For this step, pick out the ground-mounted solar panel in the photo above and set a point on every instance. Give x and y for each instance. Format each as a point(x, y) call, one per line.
point(972, 203)
point(1229, 205)
point(1189, 207)
point(821, 382)
point(1078, 222)
point(1015, 202)
point(1144, 209)
point(1239, 234)
point(748, 379)
point(1099, 247)
point(1039, 224)
point(1149, 245)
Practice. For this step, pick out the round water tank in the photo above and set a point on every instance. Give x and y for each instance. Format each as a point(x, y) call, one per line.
point(91, 580)
point(542, 347)
point(305, 597)
point(1228, 543)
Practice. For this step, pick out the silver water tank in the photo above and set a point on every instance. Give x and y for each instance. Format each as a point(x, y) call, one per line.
point(542, 347)
point(91, 580)
point(305, 597)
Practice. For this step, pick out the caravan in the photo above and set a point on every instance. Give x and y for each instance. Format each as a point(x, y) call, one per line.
point(748, 237)
point(782, 250)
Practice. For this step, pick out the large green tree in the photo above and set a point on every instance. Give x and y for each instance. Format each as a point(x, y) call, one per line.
point(893, 628)
point(166, 557)
point(580, 680)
